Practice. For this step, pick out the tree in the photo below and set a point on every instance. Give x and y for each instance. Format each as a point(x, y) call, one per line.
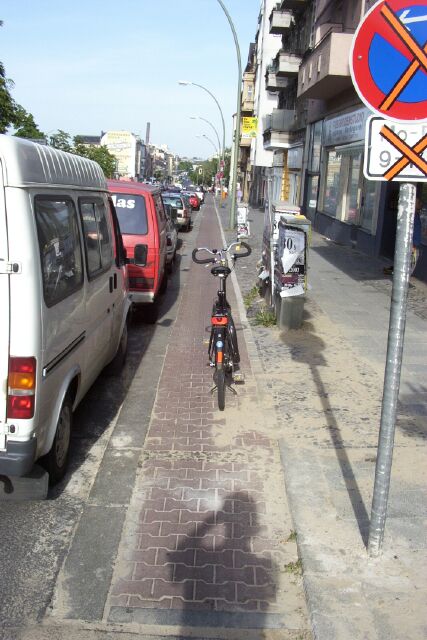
point(185, 165)
point(11, 113)
point(106, 160)
point(26, 127)
point(61, 140)
point(7, 103)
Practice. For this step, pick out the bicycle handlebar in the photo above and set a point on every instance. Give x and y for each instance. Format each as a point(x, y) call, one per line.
point(218, 253)
point(205, 260)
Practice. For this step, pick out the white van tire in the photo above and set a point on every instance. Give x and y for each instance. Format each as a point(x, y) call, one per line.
point(56, 461)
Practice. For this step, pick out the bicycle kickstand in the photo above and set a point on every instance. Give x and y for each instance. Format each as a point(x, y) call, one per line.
point(228, 387)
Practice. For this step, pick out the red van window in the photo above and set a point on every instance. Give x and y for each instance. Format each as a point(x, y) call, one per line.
point(131, 212)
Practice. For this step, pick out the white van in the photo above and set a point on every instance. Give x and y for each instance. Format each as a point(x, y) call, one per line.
point(64, 299)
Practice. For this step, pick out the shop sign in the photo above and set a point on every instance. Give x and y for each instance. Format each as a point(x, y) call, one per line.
point(348, 127)
point(249, 127)
point(388, 61)
point(395, 151)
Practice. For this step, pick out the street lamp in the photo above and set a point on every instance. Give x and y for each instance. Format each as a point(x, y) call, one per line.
point(186, 83)
point(203, 135)
point(237, 126)
point(210, 124)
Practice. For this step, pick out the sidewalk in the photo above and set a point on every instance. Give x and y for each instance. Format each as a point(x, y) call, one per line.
point(326, 380)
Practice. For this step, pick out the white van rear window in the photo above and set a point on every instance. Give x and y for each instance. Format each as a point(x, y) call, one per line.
point(59, 244)
point(132, 213)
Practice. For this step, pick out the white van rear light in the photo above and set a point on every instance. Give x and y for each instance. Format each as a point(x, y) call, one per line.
point(21, 388)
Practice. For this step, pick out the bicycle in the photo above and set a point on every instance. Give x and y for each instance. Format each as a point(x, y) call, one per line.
point(223, 350)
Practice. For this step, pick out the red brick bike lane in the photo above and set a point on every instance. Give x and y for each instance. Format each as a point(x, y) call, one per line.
point(207, 540)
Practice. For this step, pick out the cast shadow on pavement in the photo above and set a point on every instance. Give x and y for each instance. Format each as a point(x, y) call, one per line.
point(223, 582)
point(353, 263)
point(309, 351)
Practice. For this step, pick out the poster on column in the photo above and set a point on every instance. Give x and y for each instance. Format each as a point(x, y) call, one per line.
point(291, 263)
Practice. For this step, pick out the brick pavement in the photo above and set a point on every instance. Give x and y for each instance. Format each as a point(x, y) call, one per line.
point(208, 529)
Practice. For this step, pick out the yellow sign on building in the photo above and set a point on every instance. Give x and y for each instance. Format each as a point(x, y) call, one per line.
point(249, 127)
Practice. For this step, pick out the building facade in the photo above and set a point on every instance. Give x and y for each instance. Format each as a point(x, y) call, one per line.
point(316, 131)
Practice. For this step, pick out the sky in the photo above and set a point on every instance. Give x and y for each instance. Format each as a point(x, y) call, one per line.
point(86, 66)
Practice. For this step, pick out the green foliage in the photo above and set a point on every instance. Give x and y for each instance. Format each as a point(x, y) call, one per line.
point(26, 127)
point(265, 318)
point(294, 567)
point(250, 297)
point(7, 103)
point(61, 140)
point(11, 113)
point(185, 165)
point(101, 155)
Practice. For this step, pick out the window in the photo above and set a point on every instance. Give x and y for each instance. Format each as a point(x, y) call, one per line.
point(316, 146)
point(174, 202)
point(60, 250)
point(158, 203)
point(341, 188)
point(352, 205)
point(99, 250)
point(368, 205)
point(132, 213)
point(332, 183)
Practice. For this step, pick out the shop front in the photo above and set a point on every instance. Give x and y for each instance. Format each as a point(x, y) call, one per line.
point(345, 206)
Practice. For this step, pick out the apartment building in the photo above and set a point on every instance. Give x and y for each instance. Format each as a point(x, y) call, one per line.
point(315, 131)
point(266, 47)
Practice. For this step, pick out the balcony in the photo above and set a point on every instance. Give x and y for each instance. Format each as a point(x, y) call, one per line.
point(294, 5)
point(280, 21)
point(247, 104)
point(245, 142)
point(287, 64)
point(277, 129)
point(274, 82)
point(326, 72)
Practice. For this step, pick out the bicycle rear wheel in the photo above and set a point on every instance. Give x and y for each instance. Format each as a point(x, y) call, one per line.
point(220, 384)
point(233, 339)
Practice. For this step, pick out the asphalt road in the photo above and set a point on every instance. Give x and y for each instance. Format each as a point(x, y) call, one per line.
point(36, 535)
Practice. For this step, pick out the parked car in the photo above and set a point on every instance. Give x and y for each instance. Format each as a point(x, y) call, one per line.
point(201, 193)
point(183, 219)
point(194, 200)
point(144, 227)
point(64, 298)
point(171, 236)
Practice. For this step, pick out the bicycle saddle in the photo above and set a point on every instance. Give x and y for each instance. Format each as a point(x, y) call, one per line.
point(219, 270)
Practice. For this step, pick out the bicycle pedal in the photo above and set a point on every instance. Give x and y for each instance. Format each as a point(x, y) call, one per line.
point(238, 377)
point(205, 340)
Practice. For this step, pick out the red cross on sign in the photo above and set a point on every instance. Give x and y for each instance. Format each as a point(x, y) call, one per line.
point(388, 61)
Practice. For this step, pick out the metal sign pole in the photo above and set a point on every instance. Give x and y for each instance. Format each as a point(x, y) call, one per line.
point(272, 221)
point(401, 272)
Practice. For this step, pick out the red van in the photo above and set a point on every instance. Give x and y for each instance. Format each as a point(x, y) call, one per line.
point(143, 226)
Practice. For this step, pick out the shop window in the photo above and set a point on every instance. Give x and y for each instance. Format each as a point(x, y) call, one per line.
point(368, 206)
point(342, 183)
point(331, 194)
point(352, 204)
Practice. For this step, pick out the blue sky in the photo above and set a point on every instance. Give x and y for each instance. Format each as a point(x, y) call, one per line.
point(91, 65)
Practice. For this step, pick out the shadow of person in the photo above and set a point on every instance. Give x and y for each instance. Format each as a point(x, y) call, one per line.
point(306, 347)
point(219, 578)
